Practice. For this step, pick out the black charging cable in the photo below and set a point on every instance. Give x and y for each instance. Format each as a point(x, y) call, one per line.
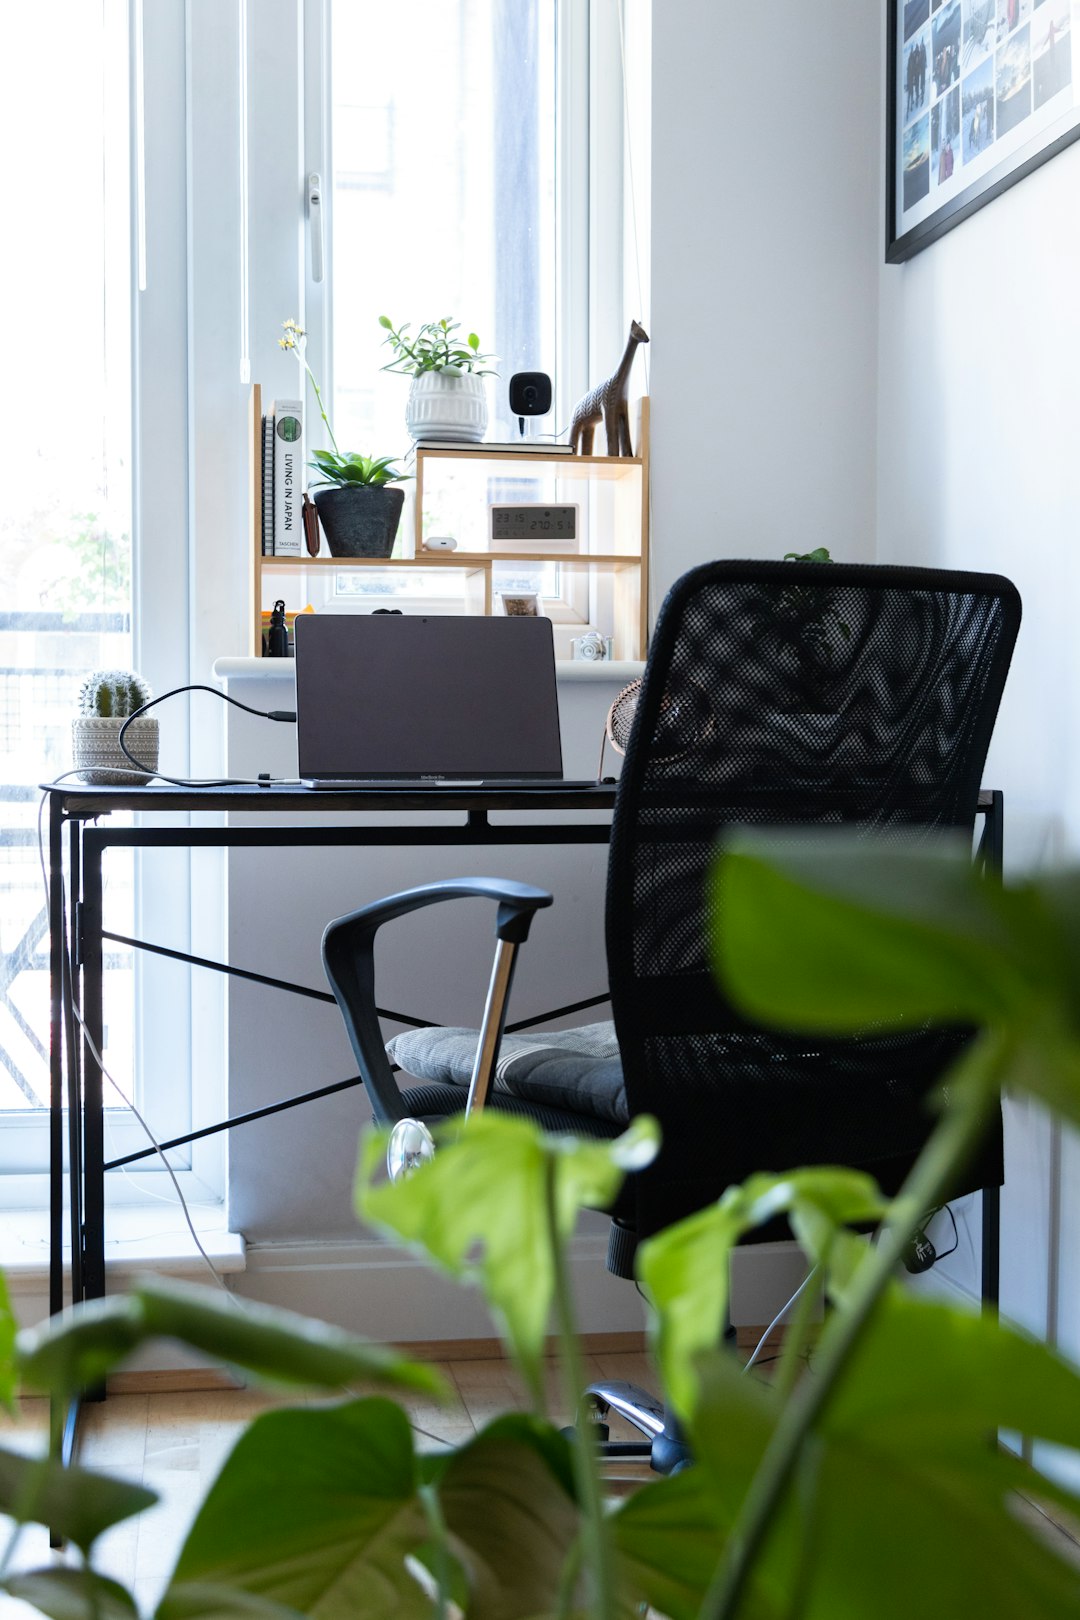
point(187, 781)
point(921, 1252)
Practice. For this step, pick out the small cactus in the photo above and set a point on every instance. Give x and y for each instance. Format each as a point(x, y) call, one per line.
point(112, 693)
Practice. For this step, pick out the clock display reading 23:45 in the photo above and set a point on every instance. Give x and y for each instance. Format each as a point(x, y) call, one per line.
point(535, 526)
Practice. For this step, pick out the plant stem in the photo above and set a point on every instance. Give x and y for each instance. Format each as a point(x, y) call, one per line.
point(951, 1143)
point(567, 1580)
point(594, 1530)
point(322, 408)
point(433, 1512)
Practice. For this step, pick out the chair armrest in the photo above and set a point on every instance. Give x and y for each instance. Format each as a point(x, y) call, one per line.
point(348, 954)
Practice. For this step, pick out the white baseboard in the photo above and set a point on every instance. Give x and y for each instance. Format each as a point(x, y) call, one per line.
point(387, 1294)
point(365, 1286)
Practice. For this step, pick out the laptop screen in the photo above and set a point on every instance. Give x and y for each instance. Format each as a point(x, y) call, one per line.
point(402, 696)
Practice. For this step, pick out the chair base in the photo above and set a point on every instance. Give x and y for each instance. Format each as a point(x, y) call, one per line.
point(663, 1447)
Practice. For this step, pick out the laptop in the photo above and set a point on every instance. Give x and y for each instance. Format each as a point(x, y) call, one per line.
point(440, 701)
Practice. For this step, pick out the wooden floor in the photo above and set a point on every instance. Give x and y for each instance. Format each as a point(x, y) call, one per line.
point(175, 1442)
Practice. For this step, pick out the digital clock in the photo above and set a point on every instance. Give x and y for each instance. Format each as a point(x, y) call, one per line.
point(535, 526)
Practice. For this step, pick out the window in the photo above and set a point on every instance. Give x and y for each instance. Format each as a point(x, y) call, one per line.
point(65, 527)
point(79, 592)
point(477, 174)
point(172, 149)
point(443, 198)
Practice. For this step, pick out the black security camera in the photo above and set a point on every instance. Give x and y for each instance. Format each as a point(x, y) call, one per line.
point(530, 393)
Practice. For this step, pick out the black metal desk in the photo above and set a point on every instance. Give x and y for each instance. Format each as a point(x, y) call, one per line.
point(77, 934)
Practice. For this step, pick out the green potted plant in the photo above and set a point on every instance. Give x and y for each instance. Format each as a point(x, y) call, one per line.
point(808, 1493)
point(107, 698)
point(446, 401)
point(357, 508)
point(801, 624)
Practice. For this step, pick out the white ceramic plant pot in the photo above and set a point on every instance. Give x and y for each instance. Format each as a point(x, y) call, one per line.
point(95, 748)
point(447, 409)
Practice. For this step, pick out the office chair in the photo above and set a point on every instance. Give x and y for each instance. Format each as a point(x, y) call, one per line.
point(775, 694)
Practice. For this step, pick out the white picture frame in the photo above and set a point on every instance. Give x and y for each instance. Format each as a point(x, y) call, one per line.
point(519, 604)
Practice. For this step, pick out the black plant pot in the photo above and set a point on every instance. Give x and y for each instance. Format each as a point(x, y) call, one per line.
point(361, 521)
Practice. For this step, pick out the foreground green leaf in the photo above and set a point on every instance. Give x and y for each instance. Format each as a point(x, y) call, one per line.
point(508, 1501)
point(76, 1503)
point(74, 1351)
point(72, 1594)
point(8, 1328)
point(837, 935)
point(685, 1269)
point(486, 1188)
point(830, 933)
point(71, 1352)
point(903, 1459)
point(316, 1510)
point(668, 1536)
point(195, 1601)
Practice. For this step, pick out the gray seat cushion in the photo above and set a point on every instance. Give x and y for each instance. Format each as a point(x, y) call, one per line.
point(577, 1069)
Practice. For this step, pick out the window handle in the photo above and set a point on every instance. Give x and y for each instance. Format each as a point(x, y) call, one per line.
point(315, 225)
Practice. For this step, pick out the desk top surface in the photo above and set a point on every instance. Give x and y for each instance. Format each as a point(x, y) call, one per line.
point(77, 799)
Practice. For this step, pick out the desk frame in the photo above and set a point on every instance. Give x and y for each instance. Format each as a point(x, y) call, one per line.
point(76, 947)
point(76, 940)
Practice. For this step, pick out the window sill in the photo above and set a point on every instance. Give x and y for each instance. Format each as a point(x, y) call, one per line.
point(140, 1238)
point(573, 670)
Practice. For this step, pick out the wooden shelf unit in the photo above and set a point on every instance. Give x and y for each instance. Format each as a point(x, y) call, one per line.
point(627, 564)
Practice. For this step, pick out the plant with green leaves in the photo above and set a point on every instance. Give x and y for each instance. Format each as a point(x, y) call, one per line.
point(350, 470)
point(808, 1495)
point(434, 348)
point(112, 694)
point(356, 471)
point(800, 623)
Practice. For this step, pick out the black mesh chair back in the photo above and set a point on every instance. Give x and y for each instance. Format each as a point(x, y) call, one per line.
point(787, 694)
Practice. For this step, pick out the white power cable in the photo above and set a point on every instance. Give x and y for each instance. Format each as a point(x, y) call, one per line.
point(780, 1315)
point(126, 1100)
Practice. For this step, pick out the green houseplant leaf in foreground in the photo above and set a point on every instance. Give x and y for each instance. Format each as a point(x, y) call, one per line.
point(832, 933)
point(75, 1351)
point(900, 1499)
point(331, 1513)
point(838, 935)
point(79, 1504)
point(685, 1268)
point(488, 1187)
point(869, 1487)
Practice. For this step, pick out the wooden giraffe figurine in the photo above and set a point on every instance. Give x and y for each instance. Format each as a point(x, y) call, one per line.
point(608, 403)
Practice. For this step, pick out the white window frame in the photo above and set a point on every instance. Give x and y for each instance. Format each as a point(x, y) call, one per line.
point(160, 618)
point(229, 118)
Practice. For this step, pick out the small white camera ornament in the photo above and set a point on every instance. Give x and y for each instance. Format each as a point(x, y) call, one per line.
point(592, 646)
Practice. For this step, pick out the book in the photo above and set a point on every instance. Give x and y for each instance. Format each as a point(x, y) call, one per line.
point(268, 486)
point(288, 418)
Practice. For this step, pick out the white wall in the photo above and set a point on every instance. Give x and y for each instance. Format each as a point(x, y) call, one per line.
point(765, 239)
point(979, 418)
point(763, 364)
point(804, 393)
point(979, 411)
